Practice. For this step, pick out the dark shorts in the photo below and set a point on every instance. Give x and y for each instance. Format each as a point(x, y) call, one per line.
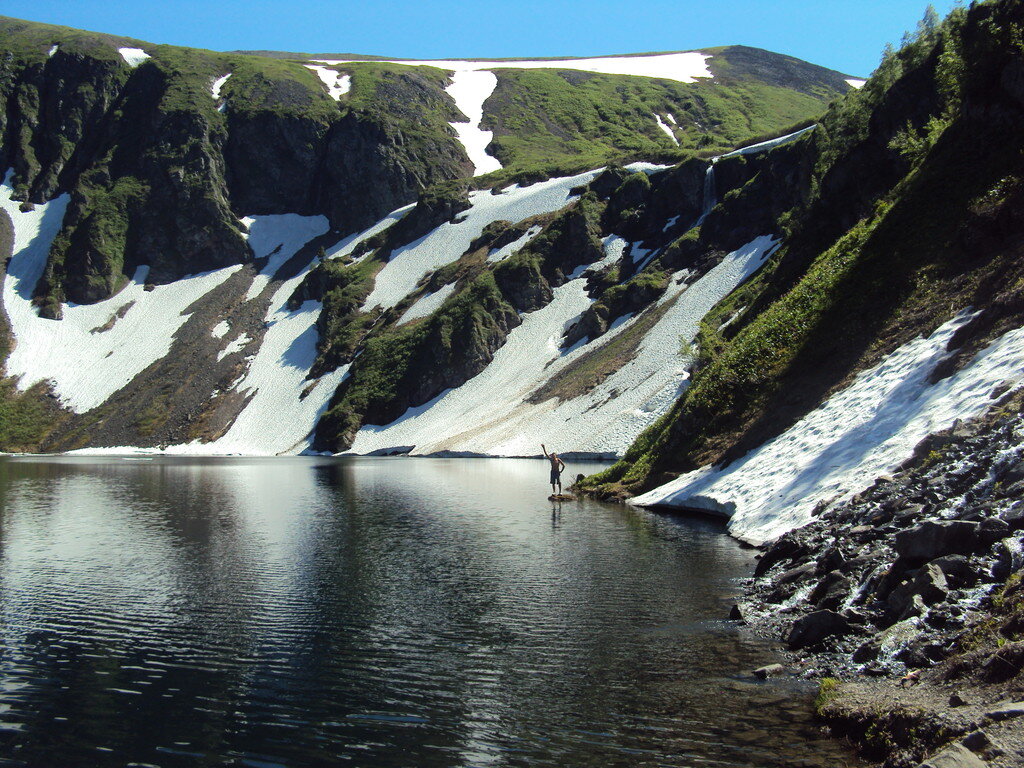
point(556, 477)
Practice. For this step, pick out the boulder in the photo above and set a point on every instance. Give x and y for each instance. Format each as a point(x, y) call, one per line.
point(1013, 516)
point(935, 538)
point(955, 756)
point(992, 530)
point(1009, 558)
point(831, 591)
point(815, 627)
point(957, 570)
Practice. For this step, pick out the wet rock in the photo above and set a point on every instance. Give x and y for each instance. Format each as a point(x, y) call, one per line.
point(867, 651)
point(735, 614)
point(1013, 516)
point(815, 627)
point(935, 538)
point(1013, 474)
point(794, 575)
point(785, 548)
point(831, 591)
point(992, 530)
point(957, 570)
point(955, 756)
point(1009, 558)
point(771, 670)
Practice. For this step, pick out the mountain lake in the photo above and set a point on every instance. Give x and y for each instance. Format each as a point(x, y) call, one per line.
point(307, 611)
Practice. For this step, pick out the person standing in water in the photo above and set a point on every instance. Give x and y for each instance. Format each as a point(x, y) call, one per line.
point(557, 465)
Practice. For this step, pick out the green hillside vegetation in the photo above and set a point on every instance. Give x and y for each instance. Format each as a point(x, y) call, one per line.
point(908, 264)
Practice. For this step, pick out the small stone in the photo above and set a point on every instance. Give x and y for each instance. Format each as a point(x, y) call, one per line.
point(735, 614)
point(771, 670)
point(956, 700)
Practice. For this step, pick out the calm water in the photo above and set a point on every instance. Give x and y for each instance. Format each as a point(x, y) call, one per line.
point(370, 612)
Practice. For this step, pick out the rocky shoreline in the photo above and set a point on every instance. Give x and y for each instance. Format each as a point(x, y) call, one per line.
point(907, 601)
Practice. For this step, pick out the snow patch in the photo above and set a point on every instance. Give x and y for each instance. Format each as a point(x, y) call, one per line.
point(220, 330)
point(857, 434)
point(53, 50)
point(854, 82)
point(683, 67)
point(234, 346)
point(764, 146)
point(217, 85)
point(445, 244)
point(500, 254)
point(427, 305)
point(469, 89)
point(666, 129)
point(488, 414)
point(96, 348)
point(133, 56)
point(671, 118)
point(338, 83)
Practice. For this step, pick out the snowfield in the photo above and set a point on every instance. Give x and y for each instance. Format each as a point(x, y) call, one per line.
point(84, 363)
point(338, 83)
point(683, 67)
point(487, 414)
point(445, 244)
point(864, 431)
point(764, 146)
point(469, 90)
point(133, 56)
point(217, 85)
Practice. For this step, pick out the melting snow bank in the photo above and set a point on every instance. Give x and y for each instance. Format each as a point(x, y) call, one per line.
point(96, 348)
point(488, 414)
point(338, 83)
point(470, 89)
point(770, 144)
point(854, 82)
point(684, 67)
point(857, 434)
point(133, 56)
point(217, 85)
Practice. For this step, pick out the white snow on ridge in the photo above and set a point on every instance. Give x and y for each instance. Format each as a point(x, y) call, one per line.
point(53, 50)
point(854, 82)
point(446, 243)
point(133, 56)
point(338, 83)
point(469, 90)
point(217, 85)
point(84, 364)
point(428, 304)
point(764, 146)
point(856, 435)
point(666, 129)
point(487, 414)
point(683, 67)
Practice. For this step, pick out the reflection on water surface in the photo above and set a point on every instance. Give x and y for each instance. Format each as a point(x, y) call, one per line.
point(374, 612)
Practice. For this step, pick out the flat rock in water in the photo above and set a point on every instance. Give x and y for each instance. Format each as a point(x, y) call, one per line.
point(562, 497)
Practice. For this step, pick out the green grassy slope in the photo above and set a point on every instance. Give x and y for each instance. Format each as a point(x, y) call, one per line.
point(927, 162)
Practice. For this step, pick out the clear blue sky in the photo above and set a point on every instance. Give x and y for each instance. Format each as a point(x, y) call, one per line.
point(847, 35)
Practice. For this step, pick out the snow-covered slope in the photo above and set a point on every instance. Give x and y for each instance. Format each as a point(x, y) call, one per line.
point(489, 414)
point(862, 432)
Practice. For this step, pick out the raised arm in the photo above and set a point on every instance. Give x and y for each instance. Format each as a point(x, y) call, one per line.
point(545, 451)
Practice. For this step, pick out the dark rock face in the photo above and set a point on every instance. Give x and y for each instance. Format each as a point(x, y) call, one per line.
point(934, 538)
point(158, 180)
point(815, 627)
